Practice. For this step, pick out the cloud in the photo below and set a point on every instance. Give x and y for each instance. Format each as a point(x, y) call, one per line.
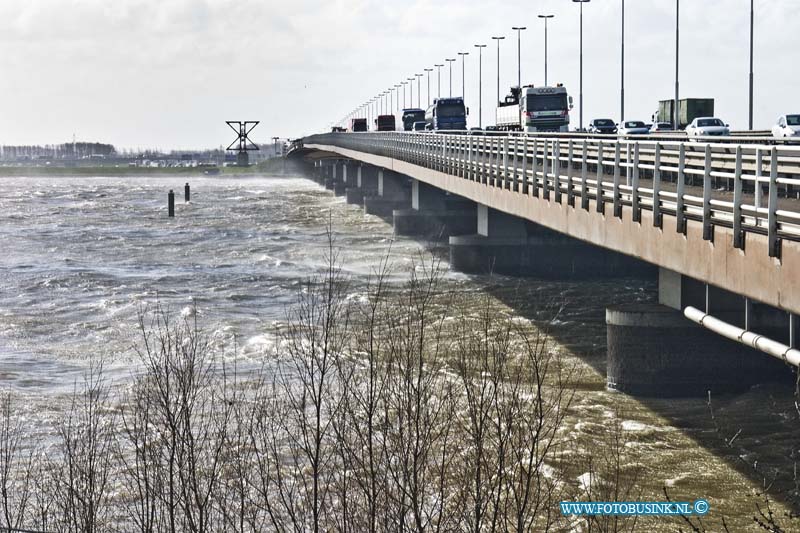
point(170, 72)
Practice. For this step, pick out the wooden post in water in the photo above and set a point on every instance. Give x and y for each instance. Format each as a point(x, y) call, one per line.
point(171, 203)
point(186, 193)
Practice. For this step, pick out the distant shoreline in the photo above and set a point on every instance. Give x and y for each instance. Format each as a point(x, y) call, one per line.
point(23, 171)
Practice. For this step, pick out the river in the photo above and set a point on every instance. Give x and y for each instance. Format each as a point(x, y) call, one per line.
point(81, 256)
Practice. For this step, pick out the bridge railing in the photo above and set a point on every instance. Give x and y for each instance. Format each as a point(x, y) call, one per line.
point(750, 188)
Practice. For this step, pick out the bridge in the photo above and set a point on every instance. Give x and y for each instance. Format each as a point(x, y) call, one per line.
point(717, 221)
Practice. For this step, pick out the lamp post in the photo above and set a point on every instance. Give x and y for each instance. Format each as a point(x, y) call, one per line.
point(438, 80)
point(580, 85)
point(545, 17)
point(419, 90)
point(480, 48)
point(677, 58)
point(750, 116)
point(519, 30)
point(429, 70)
point(463, 78)
point(397, 88)
point(498, 39)
point(404, 83)
point(622, 71)
point(411, 92)
point(450, 62)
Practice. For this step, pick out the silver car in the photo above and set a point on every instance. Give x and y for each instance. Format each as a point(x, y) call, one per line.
point(633, 127)
point(707, 126)
point(787, 126)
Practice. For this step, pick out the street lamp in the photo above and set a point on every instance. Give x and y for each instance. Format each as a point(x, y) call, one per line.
point(545, 17)
point(463, 78)
point(410, 92)
point(404, 83)
point(429, 70)
point(397, 87)
point(450, 61)
point(580, 92)
point(677, 57)
point(752, 18)
point(419, 90)
point(498, 39)
point(622, 71)
point(519, 30)
point(480, 84)
point(439, 80)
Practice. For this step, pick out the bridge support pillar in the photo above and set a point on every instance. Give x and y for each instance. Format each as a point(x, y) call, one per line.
point(435, 214)
point(330, 176)
point(506, 244)
point(340, 183)
point(392, 194)
point(364, 184)
point(653, 350)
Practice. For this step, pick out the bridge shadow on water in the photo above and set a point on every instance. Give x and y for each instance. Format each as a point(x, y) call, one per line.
point(757, 432)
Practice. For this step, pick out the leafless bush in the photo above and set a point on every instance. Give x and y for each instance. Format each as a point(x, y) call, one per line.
point(16, 468)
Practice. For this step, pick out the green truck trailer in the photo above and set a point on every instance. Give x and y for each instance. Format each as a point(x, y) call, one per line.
point(688, 110)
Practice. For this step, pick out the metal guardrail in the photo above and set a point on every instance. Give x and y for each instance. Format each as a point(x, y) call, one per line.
point(618, 171)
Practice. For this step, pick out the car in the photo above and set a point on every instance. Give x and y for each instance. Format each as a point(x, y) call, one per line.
point(633, 127)
point(602, 125)
point(658, 127)
point(420, 125)
point(475, 131)
point(787, 126)
point(706, 126)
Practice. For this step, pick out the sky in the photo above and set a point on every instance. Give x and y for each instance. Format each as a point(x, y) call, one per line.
point(169, 73)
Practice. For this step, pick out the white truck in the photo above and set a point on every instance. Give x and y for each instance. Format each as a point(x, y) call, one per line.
point(535, 109)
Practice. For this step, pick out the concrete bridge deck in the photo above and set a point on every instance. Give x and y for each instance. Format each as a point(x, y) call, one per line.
point(743, 240)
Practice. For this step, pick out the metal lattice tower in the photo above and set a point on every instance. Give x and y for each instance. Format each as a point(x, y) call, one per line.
point(242, 144)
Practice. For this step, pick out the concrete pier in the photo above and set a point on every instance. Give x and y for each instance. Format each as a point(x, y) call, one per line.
point(654, 350)
point(435, 214)
point(393, 193)
point(365, 184)
point(509, 245)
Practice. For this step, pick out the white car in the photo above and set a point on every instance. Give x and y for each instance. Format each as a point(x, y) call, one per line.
point(658, 127)
point(705, 126)
point(787, 126)
point(633, 127)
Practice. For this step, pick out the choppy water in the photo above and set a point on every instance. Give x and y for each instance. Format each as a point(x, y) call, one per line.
point(80, 256)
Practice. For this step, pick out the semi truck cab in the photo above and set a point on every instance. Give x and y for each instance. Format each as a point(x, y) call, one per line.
point(447, 114)
point(545, 108)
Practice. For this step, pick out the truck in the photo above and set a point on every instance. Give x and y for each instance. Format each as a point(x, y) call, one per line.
point(384, 123)
point(358, 124)
point(446, 114)
point(410, 116)
point(688, 110)
point(534, 109)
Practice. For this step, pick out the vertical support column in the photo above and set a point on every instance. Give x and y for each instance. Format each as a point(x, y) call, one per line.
point(708, 228)
point(657, 187)
point(616, 198)
point(680, 215)
point(599, 194)
point(738, 236)
point(505, 164)
point(535, 169)
point(557, 173)
point(772, 215)
point(637, 210)
point(758, 191)
point(570, 189)
point(584, 164)
point(514, 166)
point(545, 184)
